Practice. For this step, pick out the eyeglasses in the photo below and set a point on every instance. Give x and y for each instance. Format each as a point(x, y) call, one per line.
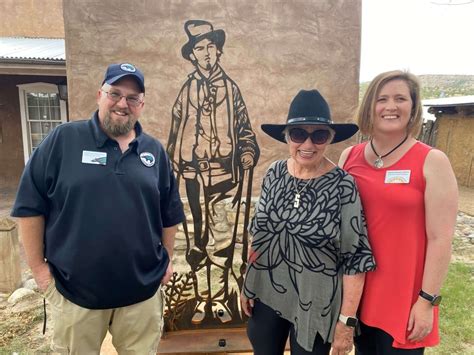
point(132, 100)
point(300, 135)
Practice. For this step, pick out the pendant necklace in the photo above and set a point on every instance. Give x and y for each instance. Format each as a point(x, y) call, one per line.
point(378, 163)
point(296, 201)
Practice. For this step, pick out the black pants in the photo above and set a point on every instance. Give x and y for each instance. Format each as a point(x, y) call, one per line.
point(268, 333)
point(374, 341)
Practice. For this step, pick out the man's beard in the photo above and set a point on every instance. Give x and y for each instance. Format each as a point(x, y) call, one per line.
point(118, 129)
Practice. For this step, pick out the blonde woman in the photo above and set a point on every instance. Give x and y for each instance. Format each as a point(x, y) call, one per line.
point(409, 194)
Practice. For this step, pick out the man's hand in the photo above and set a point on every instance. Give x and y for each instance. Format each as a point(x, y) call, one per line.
point(247, 304)
point(343, 340)
point(168, 274)
point(246, 159)
point(420, 323)
point(42, 276)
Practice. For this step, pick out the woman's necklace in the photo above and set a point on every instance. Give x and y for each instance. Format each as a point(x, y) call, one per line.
point(296, 201)
point(378, 163)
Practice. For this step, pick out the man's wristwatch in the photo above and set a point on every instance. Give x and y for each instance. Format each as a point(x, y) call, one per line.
point(349, 321)
point(433, 299)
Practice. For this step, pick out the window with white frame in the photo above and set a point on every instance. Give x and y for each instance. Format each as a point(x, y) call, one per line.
point(41, 111)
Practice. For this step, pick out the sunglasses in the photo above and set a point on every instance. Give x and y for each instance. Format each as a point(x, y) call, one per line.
point(300, 135)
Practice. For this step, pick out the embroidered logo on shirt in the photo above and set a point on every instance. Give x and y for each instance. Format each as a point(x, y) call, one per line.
point(147, 159)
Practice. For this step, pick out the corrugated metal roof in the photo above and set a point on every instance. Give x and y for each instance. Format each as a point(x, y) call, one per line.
point(21, 49)
point(450, 101)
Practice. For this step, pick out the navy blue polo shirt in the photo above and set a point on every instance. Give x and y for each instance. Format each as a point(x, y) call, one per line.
point(105, 212)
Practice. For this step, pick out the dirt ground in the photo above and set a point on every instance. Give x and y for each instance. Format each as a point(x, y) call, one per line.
point(21, 324)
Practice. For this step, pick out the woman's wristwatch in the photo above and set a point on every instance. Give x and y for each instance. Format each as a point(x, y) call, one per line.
point(433, 299)
point(349, 321)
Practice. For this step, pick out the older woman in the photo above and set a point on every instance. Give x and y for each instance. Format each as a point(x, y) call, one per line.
point(309, 250)
point(409, 194)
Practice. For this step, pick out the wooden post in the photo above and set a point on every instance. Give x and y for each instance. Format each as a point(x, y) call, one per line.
point(10, 270)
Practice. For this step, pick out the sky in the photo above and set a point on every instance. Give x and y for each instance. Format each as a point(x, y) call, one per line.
point(421, 36)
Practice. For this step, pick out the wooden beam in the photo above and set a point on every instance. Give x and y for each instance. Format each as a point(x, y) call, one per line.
point(33, 69)
point(231, 340)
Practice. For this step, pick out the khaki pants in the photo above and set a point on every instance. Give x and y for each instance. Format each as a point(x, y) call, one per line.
point(135, 329)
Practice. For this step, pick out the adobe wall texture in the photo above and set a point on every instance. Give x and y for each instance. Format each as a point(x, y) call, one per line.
point(28, 18)
point(454, 137)
point(272, 50)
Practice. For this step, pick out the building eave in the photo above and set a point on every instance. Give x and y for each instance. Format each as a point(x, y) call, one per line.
point(32, 67)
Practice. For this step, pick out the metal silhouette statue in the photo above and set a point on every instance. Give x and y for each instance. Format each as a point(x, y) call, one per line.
point(214, 150)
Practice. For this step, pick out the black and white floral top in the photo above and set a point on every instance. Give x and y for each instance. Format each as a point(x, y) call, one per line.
point(299, 254)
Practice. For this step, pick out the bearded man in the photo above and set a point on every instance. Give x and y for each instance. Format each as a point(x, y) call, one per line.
point(98, 209)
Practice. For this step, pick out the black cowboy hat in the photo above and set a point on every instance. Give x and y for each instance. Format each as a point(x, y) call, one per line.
point(310, 108)
point(197, 30)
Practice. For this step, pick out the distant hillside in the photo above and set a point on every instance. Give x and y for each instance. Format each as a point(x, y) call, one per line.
point(435, 86)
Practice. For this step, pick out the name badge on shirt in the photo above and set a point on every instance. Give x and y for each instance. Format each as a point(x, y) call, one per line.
point(90, 157)
point(397, 176)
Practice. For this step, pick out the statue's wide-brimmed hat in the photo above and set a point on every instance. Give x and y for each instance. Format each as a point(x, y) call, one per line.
point(310, 108)
point(197, 30)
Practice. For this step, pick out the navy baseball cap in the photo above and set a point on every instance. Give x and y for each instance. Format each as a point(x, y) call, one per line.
point(116, 72)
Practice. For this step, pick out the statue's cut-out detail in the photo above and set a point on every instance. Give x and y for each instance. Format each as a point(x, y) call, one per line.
point(214, 150)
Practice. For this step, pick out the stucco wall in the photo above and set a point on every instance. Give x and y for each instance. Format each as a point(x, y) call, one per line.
point(11, 145)
point(454, 137)
point(31, 18)
point(272, 50)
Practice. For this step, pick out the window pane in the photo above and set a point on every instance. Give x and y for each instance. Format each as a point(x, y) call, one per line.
point(36, 133)
point(54, 100)
point(44, 113)
point(32, 99)
point(36, 140)
point(33, 113)
point(35, 127)
point(43, 99)
point(46, 128)
point(55, 114)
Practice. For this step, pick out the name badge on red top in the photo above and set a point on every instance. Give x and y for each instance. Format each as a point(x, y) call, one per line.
point(397, 176)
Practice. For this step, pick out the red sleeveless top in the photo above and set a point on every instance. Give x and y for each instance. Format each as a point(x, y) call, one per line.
point(393, 201)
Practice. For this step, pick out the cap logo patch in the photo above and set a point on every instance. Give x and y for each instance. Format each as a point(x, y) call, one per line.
point(147, 159)
point(128, 67)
